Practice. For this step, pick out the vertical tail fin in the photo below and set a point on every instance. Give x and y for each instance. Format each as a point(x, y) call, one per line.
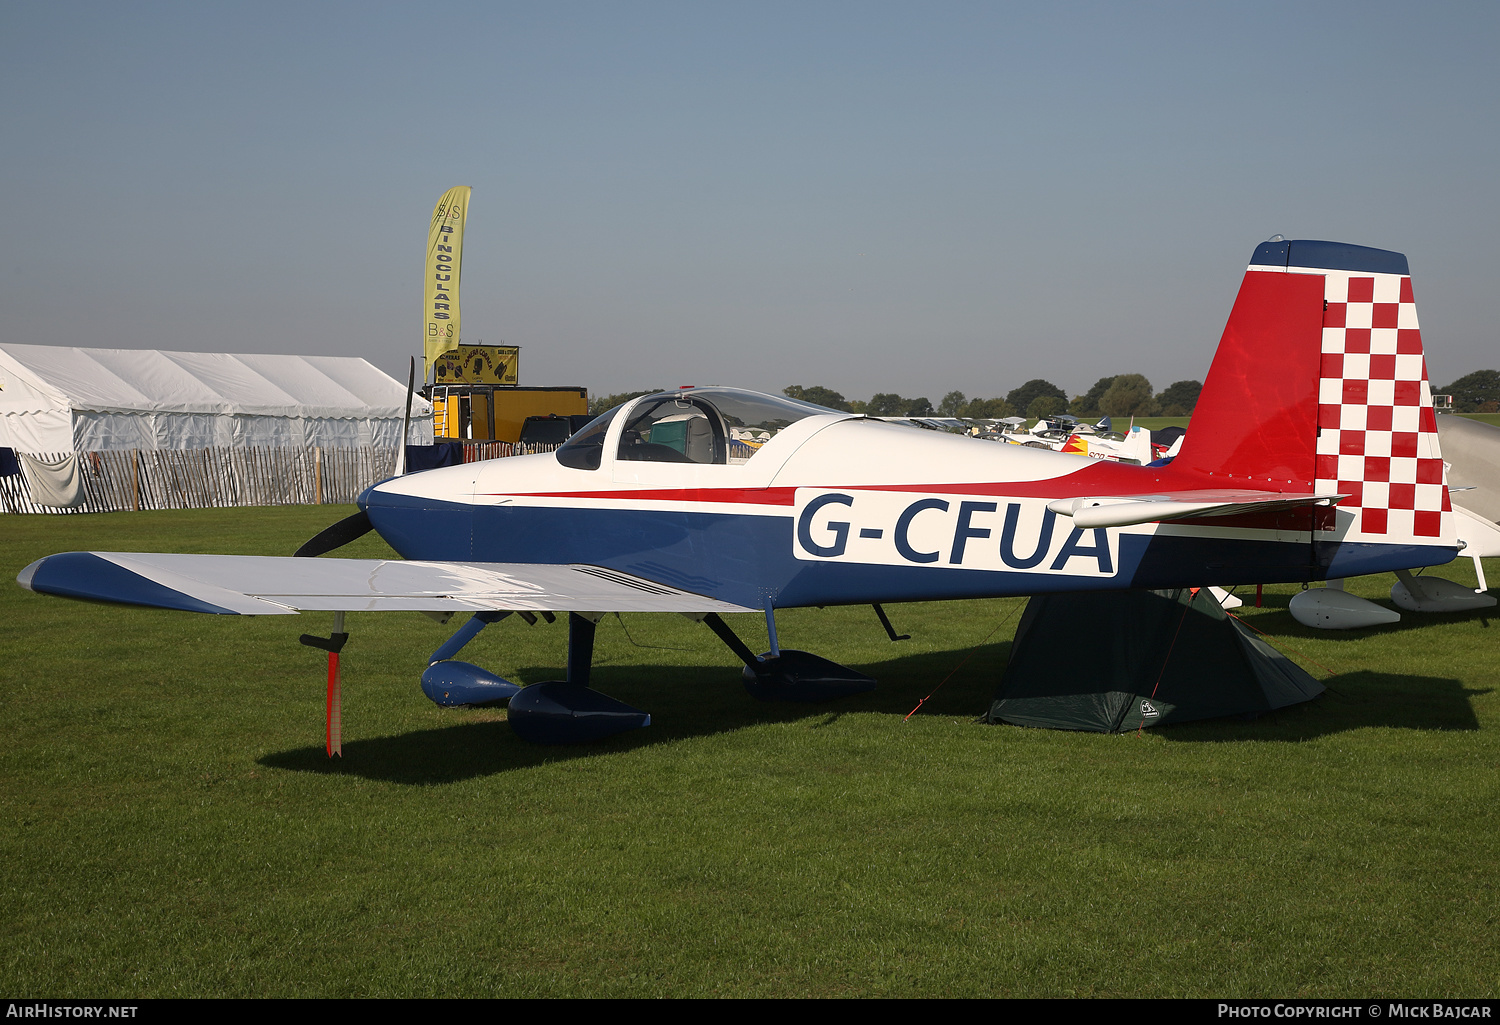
point(1138, 445)
point(1319, 382)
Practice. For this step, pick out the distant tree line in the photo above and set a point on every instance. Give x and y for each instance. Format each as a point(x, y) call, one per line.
point(1122, 395)
point(1478, 392)
point(603, 403)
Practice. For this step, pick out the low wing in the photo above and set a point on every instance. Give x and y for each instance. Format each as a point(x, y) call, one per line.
point(275, 586)
point(1126, 510)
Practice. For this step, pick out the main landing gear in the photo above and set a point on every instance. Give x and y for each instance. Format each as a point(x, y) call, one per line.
point(787, 674)
point(570, 712)
point(555, 712)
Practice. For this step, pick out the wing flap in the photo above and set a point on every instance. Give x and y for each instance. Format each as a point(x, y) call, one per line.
point(1128, 510)
point(268, 585)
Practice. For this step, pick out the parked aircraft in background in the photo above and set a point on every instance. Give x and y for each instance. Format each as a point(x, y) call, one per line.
point(1314, 455)
point(1063, 433)
point(1134, 446)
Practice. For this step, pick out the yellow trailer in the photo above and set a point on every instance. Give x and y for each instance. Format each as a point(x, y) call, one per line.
point(480, 412)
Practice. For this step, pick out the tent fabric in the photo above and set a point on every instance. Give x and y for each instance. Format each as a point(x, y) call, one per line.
point(55, 483)
point(1113, 661)
point(1167, 435)
point(34, 416)
point(64, 398)
point(430, 457)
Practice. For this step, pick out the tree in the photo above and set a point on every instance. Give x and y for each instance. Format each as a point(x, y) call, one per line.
point(1128, 395)
point(1021, 397)
point(1179, 398)
point(952, 403)
point(1474, 390)
point(1087, 404)
point(885, 404)
point(1046, 405)
point(601, 403)
point(987, 409)
point(817, 395)
point(890, 404)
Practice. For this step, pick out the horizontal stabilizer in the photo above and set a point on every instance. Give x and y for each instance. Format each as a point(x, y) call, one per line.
point(1127, 510)
point(268, 585)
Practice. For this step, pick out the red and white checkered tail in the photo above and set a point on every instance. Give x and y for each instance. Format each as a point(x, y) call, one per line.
point(1319, 383)
point(1377, 432)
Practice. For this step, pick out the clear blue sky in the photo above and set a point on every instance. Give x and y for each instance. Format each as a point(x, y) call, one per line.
point(869, 196)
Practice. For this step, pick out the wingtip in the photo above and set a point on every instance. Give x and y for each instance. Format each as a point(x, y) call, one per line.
point(92, 576)
point(24, 577)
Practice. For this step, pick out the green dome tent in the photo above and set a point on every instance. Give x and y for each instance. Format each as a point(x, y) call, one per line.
point(1112, 661)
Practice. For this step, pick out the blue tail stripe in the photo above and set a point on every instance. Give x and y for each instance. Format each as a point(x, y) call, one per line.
point(1329, 256)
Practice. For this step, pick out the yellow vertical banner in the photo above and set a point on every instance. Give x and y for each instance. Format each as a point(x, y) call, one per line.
point(445, 253)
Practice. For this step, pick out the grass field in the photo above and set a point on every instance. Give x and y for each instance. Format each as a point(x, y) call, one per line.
point(1154, 423)
point(170, 826)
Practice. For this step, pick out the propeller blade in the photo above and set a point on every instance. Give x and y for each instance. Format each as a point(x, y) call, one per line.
point(411, 385)
point(348, 529)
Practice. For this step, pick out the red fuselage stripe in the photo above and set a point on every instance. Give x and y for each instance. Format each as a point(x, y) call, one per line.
point(1101, 477)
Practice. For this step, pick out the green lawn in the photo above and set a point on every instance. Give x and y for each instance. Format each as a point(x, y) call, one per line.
point(170, 826)
point(1153, 423)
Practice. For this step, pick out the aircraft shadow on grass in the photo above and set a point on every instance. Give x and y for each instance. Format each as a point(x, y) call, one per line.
point(698, 701)
point(1352, 701)
point(684, 701)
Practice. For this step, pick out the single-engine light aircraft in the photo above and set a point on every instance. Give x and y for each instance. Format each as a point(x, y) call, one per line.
point(1314, 455)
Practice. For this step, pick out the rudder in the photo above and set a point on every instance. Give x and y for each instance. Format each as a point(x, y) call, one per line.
point(1319, 382)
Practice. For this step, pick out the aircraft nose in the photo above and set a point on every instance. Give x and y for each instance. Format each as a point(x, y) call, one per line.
point(366, 498)
point(426, 515)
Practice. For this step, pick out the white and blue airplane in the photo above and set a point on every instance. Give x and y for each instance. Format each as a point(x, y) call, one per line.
point(1314, 456)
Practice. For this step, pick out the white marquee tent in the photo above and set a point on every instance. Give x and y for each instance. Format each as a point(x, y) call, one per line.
point(58, 399)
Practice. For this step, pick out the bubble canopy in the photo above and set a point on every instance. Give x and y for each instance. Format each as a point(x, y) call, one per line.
point(693, 425)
